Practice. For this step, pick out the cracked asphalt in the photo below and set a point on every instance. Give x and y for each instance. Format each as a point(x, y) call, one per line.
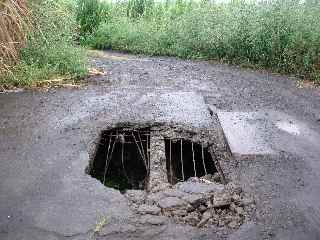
point(272, 126)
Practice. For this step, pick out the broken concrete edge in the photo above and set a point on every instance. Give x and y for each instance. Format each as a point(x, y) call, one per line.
point(228, 161)
point(218, 166)
point(215, 118)
point(213, 138)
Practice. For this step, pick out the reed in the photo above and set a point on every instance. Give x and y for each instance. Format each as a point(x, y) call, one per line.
point(13, 23)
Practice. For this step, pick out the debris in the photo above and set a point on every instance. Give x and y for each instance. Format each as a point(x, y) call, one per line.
point(198, 201)
point(192, 218)
point(97, 72)
point(152, 219)
point(205, 218)
point(233, 224)
point(136, 196)
point(154, 198)
point(174, 193)
point(194, 199)
point(239, 210)
point(180, 212)
point(147, 209)
point(221, 200)
point(199, 188)
point(172, 202)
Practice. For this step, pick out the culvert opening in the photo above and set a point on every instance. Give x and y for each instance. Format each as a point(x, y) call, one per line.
point(185, 159)
point(122, 158)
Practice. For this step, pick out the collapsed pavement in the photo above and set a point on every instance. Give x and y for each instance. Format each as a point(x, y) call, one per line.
point(173, 170)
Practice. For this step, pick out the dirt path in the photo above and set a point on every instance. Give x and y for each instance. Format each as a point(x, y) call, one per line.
point(45, 137)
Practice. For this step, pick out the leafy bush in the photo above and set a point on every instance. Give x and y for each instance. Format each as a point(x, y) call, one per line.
point(283, 36)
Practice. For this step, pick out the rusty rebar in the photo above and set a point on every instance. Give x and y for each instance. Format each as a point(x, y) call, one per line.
point(107, 159)
point(142, 149)
point(144, 161)
point(194, 162)
point(181, 159)
point(204, 164)
point(171, 174)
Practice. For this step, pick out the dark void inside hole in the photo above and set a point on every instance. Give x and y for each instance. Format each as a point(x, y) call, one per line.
point(185, 159)
point(122, 158)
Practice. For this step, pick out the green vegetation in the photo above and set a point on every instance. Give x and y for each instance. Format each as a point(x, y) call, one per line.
point(50, 49)
point(89, 15)
point(282, 35)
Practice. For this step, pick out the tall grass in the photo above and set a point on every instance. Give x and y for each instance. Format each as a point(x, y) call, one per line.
point(50, 48)
point(13, 23)
point(90, 13)
point(280, 35)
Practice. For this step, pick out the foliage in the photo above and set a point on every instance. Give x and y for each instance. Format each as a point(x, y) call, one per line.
point(50, 49)
point(90, 13)
point(279, 35)
point(139, 8)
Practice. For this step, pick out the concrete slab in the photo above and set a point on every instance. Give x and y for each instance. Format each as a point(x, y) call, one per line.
point(246, 132)
point(180, 107)
point(264, 132)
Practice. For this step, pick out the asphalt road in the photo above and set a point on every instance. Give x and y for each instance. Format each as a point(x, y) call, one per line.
point(272, 126)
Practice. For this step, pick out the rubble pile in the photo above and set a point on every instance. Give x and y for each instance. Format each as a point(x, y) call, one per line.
point(197, 202)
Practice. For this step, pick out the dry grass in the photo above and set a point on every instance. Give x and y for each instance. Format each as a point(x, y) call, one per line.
point(13, 24)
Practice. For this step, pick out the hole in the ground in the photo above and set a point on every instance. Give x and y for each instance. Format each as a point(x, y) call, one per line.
point(185, 159)
point(122, 158)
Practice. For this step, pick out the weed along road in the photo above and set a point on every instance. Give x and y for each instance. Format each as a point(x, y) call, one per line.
point(161, 148)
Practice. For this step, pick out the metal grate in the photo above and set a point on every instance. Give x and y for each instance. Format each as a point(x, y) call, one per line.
point(185, 159)
point(122, 159)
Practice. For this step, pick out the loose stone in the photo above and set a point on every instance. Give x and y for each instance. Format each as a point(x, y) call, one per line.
point(180, 212)
point(205, 218)
point(194, 199)
point(153, 220)
point(221, 200)
point(136, 196)
point(171, 202)
point(192, 218)
point(147, 209)
point(200, 188)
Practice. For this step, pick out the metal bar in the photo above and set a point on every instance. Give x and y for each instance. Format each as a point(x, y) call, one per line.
point(122, 161)
point(147, 178)
point(148, 154)
point(106, 165)
point(142, 149)
point(135, 140)
point(130, 134)
point(194, 162)
point(138, 130)
point(108, 162)
point(204, 164)
point(131, 142)
point(171, 176)
point(181, 159)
